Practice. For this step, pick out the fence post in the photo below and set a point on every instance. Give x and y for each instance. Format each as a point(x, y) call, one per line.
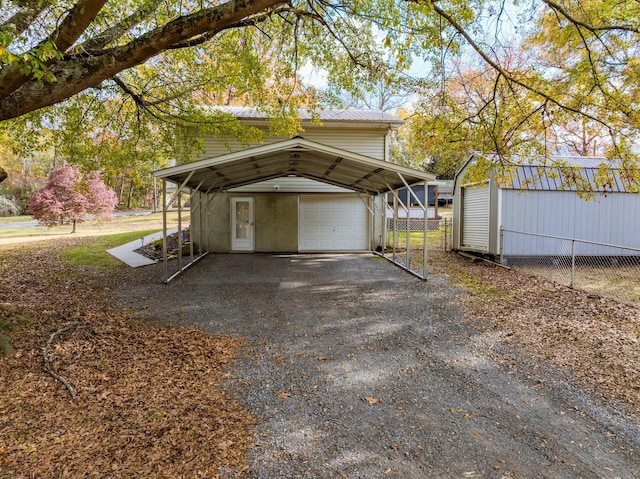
point(573, 263)
point(446, 234)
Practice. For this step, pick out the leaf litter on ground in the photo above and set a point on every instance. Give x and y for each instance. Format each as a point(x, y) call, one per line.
point(149, 398)
point(595, 340)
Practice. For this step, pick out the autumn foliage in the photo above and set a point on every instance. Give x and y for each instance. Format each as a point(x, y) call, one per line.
point(70, 196)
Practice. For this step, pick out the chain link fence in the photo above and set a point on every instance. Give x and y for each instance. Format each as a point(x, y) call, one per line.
point(407, 248)
point(604, 269)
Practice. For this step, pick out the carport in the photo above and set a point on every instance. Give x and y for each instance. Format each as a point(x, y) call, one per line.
point(204, 181)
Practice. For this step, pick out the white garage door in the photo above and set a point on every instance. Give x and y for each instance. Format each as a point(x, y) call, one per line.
point(332, 223)
point(475, 218)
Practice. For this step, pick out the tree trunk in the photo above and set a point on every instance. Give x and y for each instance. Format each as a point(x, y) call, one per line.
point(130, 196)
point(73, 221)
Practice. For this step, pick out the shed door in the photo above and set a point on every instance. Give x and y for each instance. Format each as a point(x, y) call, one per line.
point(475, 217)
point(332, 223)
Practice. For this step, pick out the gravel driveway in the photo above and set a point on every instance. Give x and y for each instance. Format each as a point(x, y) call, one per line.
point(356, 369)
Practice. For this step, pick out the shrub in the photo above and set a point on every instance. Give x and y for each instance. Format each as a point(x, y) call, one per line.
point(8, 207)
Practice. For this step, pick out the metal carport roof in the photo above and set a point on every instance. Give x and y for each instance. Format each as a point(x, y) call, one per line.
point(294, 157)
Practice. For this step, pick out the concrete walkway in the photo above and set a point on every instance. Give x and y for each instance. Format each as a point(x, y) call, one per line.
point(126, 252)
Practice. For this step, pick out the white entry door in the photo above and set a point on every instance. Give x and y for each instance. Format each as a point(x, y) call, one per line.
point(242, 224)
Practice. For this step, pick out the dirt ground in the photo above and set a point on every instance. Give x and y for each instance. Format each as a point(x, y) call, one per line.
point(295, 366)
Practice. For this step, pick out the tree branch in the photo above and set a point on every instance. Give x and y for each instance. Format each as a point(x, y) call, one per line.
point(77, 72)
point(21, 20)
point(507, 75)
point(593, 29)
point(47, 361)
point(74, 24)
point(112, 34)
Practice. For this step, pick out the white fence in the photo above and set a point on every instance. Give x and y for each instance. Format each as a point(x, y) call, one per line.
point(604, 269)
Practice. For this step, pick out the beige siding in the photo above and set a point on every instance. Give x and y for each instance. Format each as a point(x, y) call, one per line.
point(276, 222)
point(369, 142)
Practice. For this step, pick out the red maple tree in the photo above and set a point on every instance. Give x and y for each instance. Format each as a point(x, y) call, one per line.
point(70, 196)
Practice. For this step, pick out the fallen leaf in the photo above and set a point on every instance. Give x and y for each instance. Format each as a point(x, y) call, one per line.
point(370, 400)
point(282, 395)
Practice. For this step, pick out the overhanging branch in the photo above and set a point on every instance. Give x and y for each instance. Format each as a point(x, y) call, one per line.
point(508, 75)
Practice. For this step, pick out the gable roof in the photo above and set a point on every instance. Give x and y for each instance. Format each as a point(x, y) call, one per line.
point(561, 173)
point(294, 157)
point(352, 116)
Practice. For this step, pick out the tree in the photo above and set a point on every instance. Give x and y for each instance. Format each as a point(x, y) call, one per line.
point(582, 64)
point(69, 196)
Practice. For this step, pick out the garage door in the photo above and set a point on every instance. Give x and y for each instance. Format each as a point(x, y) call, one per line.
point(332, 223)
point(475, 218)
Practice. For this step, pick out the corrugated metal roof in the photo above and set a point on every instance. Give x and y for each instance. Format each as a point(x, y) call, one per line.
point(564, 173)
point(346, 115)
point(299, 157)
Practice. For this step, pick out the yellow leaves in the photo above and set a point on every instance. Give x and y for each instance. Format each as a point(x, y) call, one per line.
point(370, 400)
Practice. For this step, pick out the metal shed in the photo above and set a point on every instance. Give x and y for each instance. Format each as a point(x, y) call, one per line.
point(227, 192)
point(535, 200)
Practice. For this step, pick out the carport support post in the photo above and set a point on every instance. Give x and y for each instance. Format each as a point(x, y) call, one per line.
point(383, 211)
point(425, 242)
point(395, 224)
point(408, 242)
point(164, 228)
point(180, 231)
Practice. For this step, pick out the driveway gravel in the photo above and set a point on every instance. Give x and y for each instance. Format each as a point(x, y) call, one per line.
point(356, 369)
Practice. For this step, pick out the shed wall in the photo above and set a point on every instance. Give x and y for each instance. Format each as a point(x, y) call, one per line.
point(495, 200)
point(612, 219)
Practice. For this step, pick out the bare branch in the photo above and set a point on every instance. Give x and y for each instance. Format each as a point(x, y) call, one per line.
point(28, 12)
point(565, 13)
point(117, 31)
point(47, 362)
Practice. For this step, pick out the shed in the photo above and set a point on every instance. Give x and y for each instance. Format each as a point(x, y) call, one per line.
point(533, 200)
point(322, 190)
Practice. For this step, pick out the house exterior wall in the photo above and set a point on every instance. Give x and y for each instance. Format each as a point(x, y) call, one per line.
point(276, 219)
point(365, 141)
point(275, 222)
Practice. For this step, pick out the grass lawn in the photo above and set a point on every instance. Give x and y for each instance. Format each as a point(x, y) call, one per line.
point(92, 252)
point(137, 225)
